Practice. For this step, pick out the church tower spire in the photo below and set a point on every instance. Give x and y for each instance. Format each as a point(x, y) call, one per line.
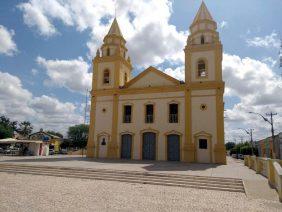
point(112, 66)
point(205, 39)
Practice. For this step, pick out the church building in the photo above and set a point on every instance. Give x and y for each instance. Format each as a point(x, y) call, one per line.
point(154, 116)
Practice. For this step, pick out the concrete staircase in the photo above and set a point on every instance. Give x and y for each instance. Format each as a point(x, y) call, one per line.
point(152, 178)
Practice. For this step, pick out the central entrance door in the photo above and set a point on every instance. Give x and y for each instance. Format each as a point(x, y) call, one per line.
point(173, 147)
point(126, 146)
point(149, 146)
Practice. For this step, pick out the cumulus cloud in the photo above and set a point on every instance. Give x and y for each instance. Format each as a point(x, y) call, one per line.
point(270, 61)
point(269, 41)
point(177, 73)
point(71, 74)
point(7, 45)
point(44, 112)
point(151, 39)
point(259, 90)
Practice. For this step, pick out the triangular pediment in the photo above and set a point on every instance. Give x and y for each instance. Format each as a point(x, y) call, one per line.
point(151, 77)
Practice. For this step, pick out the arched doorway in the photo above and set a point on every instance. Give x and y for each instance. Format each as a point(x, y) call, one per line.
point(173, 147)
point(126, 146)
point(149, 146)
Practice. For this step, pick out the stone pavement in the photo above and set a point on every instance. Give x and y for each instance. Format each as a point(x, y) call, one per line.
point(256, 185)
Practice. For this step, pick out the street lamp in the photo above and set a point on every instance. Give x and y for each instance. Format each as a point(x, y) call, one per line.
point(249, 132)
point(271, 114)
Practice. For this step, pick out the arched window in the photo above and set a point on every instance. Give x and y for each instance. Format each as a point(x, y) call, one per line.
point(125, 77)
point(108, 51)
point(106, 76)
point(202, 39)
point(202, 71)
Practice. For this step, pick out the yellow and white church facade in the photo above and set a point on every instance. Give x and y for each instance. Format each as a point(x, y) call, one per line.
point(154, 116)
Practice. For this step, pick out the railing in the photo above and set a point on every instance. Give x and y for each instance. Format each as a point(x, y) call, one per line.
point(149, 118)
point(270, 168)
point(173, 118)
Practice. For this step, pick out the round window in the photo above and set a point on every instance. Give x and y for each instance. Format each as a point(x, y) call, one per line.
point(203, 107)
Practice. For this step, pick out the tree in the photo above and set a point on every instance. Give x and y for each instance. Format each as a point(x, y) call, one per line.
point(6, 127)
point(25, 128)
point(229, 145)
point(5, 132)
point(78, 135)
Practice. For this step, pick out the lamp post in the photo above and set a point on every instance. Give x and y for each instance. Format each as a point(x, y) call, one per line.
point(250, 133)
point(271, 114)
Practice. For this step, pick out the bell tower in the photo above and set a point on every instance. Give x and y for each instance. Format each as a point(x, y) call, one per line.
point(203, 53)
point(204, 136)
point(112, 65)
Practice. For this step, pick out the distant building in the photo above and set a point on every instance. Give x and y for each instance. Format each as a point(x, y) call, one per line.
point(268, 148)
point(54, 141)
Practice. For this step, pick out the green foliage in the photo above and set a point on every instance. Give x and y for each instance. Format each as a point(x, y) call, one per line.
point(229, 145)
point(66, 143)
point(78, 135)
point(7, 127)
point(5, 132)
point(244, 149)
point(25, 128)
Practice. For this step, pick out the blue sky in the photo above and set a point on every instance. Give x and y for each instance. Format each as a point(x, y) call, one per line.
point(63, 36)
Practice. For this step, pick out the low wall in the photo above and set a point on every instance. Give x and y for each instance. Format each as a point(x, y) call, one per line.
point(270, 168)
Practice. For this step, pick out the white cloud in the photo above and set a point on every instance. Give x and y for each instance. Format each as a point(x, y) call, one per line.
point(44, 112)
point(34, 17)
point(223, 24)
point(177, 73)
point(71, 74)
point(146, 30)
point(270, 61)
point(7, 45)
point(259, 90)
point(269, 41)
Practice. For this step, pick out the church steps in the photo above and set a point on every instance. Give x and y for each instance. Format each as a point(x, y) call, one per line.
point(143, 179)
point(131, 173)
point(130, 177)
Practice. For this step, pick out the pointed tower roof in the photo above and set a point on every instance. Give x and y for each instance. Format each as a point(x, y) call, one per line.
point(203, 14)
point(115, 30)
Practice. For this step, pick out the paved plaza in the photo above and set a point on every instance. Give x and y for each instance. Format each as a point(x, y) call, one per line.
point(31, 193)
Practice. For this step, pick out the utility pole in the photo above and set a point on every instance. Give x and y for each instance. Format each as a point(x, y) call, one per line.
point(271, 114)
point(250, 133)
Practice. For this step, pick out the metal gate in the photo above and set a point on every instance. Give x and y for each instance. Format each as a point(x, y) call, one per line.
point(149, 146)
point(173, 147)
point(126, 145)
